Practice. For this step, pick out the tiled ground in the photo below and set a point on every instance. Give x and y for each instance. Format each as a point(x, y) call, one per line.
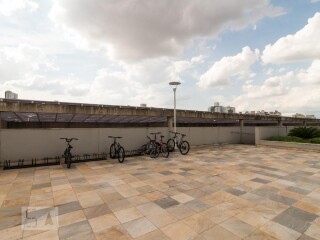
point(229, 192)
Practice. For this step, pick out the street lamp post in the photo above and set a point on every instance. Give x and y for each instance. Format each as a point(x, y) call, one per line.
point(174, 86)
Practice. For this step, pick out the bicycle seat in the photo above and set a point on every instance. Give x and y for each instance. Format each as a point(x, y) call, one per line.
point(162, 136)
point(119, 137)
point(183, 135)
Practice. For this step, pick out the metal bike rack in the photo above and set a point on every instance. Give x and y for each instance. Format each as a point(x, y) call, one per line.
point(22, 163)
point(47, 161)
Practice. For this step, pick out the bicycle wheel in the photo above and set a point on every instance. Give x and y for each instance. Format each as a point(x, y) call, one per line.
point(155, 151)
point(68, 160)
point(65, 154)
point(113, 151)
point(164, 150)
point(171, 144)
point(184, 148)
point(150, 146)
point(121, 154)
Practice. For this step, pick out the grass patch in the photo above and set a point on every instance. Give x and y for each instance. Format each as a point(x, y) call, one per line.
point(294, 139)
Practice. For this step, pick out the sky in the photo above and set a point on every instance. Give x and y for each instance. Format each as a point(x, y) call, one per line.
point(249, 54)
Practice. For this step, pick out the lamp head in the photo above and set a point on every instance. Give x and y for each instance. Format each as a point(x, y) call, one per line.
point(174, 85)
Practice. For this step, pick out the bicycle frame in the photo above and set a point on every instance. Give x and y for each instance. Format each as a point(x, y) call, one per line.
point(67, 152)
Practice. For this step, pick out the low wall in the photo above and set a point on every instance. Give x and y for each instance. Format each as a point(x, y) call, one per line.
point(39, 143)
point(306, 146)
point(262, 133)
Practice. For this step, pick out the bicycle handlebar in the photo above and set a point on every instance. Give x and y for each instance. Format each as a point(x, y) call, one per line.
point(69, 139)
point(113, 137)
point(155, 133)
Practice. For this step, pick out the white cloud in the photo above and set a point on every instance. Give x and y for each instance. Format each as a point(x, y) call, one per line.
point(234, 66)
point(290, 92)
point(19, 62)
point(9, 7)
point(314, 1)
point(41, 87)
point(303, 45)
point(140, 29)
point(312, 74)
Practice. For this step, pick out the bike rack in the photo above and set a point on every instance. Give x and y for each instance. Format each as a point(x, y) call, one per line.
point(34, 162)
point(21, 163)
point(89, 157)
point(132, 153)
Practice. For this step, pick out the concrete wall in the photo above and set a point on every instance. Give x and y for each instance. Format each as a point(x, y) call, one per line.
point(39, 143)
point(262, 133)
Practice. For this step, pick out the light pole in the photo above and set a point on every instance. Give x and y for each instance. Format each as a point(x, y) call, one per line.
point(174, 86)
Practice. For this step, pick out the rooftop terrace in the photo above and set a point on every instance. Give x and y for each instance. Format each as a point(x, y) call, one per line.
point(226, 192)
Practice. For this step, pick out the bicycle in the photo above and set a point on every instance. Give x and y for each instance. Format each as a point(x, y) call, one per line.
point(67, 152)
point(159, 147)
point(116, 150)
point(182, 145)
point(146, 148)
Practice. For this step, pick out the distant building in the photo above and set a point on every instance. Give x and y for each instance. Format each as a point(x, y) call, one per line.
point(311, 116)
point(143, 104)
point(264, 113)
point(11, 95)
point(220, 109)
point(298, 115)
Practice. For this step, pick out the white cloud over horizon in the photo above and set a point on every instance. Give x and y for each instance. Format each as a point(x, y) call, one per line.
point(232, 66)
point(132, 30)
point(9, 7)
point(303, 45)
point(286, 93)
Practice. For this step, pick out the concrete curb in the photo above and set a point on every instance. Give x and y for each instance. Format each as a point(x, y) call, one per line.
point(304, 146)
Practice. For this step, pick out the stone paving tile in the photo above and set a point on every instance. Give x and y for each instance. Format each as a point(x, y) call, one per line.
point(74, 230)
point(199, 223)
point(227, 191)
point(197, 205)
point(237, 227)
point(259, 235)
point(166, 202)
point(161, 219)
point(97, 211)
point(103, 222)
point(139, 227)
point(280, 231)
point(128, 214)
point(69, 207)
point(219, 232)
point(260, 180)
point(179, 231)
point(154, 235)
point(313, 231)
point(116, 232)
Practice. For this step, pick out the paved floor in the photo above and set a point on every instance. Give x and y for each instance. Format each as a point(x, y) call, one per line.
point(229, 192)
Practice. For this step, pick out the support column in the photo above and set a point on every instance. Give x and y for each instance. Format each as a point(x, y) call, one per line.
point(3, 124)
point(280, 122)
point(170, 123)
point(241, 123)
point(304, 123)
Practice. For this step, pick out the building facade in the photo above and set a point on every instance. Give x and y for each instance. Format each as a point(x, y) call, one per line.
point(11, 95)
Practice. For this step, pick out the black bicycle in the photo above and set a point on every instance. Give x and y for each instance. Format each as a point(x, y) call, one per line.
point(159, 147)
point(116, 150)
point(183, 145)
point(67, 152)
point(146, 148)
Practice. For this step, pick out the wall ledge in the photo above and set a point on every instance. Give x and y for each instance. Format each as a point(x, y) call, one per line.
point(304, 146)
